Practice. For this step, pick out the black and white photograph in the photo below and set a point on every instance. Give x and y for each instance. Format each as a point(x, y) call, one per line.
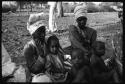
point(62, 41)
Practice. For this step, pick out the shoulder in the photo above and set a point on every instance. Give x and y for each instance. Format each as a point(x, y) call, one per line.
point(29, 46)
point(91, 30)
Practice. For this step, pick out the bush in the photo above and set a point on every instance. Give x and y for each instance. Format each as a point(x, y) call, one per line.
point(68, 8)
point(9, 6)
point(106, 9)
point(91, 9)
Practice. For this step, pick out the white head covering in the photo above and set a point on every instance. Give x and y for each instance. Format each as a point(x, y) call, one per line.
point(34, 23)
point(80, 11)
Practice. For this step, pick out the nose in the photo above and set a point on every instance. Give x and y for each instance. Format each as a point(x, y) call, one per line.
point(54, 49)
point(82, 21)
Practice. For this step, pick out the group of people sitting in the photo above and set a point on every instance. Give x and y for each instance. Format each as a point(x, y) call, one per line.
point(47, 61)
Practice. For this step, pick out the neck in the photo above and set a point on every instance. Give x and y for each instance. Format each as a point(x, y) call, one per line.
point(82, 27)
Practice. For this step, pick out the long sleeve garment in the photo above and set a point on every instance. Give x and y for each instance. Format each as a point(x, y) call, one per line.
point(82, 38)
point(35, 63)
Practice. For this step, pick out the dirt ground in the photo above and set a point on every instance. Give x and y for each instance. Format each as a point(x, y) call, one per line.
point(15, 34)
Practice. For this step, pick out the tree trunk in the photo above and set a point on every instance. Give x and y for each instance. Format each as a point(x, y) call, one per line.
point(31, 6)
point(60, 9)
point(52, 16)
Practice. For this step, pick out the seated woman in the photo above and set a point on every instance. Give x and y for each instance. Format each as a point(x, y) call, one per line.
point(35, 52)
point(56, 68)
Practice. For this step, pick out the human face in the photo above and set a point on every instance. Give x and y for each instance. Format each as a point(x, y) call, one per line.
point(81, 21)
point(77, 59)
point(39, 35)
point(54, 47)
point(100, 50)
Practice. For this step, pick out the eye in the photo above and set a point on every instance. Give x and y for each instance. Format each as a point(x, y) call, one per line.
point(79, 57)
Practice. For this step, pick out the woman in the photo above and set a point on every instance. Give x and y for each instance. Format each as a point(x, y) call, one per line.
point(35, 52)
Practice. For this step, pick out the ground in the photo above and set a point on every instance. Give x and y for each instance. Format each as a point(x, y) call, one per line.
point(15, 34)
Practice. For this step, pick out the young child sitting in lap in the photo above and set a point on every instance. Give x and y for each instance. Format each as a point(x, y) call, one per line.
point(80, 71)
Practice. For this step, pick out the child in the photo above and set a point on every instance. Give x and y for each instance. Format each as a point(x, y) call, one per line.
point(55, 66)
point(101, 74)
point(80, 71)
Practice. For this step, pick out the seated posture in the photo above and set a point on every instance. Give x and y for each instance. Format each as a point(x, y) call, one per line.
point(80, 71)
point(56, 68)
point(101, 73)
point(34, 52)
point(80, 35)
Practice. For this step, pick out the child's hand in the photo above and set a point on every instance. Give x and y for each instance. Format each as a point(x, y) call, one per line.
point(67, 57)
point(67, 65)
point(107, 62)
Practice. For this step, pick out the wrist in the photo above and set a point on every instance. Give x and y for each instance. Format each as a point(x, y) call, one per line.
point(41, 59)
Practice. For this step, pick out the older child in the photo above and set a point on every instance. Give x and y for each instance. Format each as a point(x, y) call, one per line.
point(101, 73)
point(55, 66)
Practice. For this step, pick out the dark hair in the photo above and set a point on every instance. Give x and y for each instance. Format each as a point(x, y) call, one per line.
point(78, 51)
point(52, 38)
point(99, 44)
